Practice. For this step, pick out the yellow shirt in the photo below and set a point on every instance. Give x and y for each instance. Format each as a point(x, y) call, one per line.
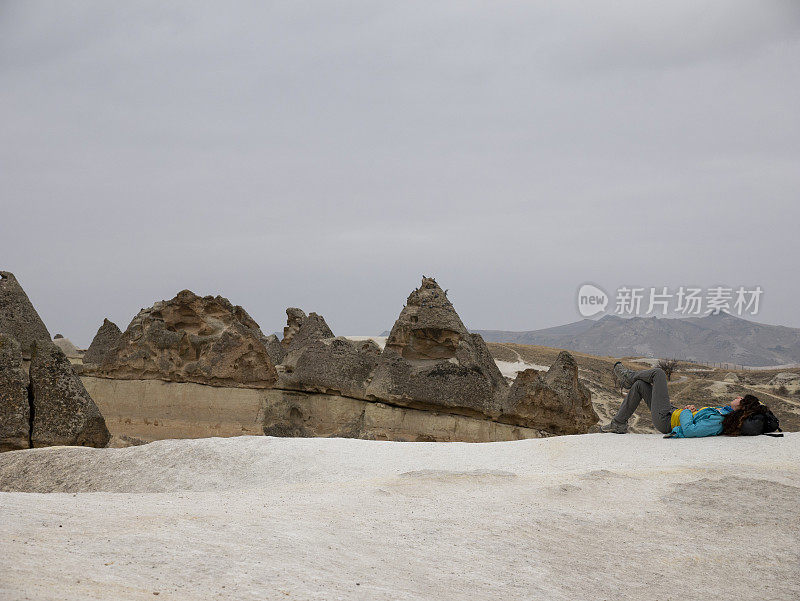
point(675, 420)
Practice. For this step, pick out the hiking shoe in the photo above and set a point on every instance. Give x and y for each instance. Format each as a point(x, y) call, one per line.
point(623, 375)
point(614, 428)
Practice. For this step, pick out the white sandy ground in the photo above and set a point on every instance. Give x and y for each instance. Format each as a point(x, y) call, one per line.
point(596, 517)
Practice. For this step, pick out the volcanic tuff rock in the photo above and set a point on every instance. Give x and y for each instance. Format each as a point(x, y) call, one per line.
point(307, 414)
point(331, 365)
point(555, 401)
point(294, 319)
point(275, 349)
point(309, 329)
point(66, 346)
point(14, 407)
point(431, 365)
point(47, 405)
point(63, 412)
point(192, 339)
point(18, 318)
point(106, 338)
point(434, 380)
point(431, 359)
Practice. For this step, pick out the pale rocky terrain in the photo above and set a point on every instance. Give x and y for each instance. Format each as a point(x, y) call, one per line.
point(574, 517)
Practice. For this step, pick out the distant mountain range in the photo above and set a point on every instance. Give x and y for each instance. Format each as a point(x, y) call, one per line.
point(712, 338)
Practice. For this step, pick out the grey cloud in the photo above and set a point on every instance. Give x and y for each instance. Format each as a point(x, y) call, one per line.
point(328, 154)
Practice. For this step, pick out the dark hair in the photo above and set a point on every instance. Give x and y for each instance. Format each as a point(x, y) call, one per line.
point(732, 423)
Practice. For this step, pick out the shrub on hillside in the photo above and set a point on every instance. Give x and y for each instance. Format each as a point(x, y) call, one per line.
point(669, 366)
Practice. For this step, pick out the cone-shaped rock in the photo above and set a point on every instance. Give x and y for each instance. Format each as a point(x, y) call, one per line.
point(192, 339)
point(555, 401)
point(14, 407)
point(67, 347)
point(106, 338)
point(431, 359)
point(310, 329)
point(18, 318)
point(63, 412)
point(428, 326)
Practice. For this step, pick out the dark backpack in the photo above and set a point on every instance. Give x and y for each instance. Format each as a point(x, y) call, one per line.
point(763, 422)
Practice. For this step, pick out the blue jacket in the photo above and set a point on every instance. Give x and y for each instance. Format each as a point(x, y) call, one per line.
point(706, 422)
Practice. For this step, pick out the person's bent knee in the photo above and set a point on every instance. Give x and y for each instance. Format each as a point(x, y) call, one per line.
point(663, 428)
point(659, 374)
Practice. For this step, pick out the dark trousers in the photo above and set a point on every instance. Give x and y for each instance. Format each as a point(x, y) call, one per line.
point(650, 385)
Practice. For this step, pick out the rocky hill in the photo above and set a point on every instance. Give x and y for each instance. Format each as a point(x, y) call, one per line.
point(713, 338)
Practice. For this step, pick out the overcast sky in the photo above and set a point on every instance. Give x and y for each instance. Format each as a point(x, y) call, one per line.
point(326, 155)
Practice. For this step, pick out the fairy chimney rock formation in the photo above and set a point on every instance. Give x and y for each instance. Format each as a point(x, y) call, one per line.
point(106, 338)
point(63, 412)
point(428, 326)
point(430, 359)
point(18, 318)
point(555, 401)
point(42, 402)
point(311, 329)
point(189, 338)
